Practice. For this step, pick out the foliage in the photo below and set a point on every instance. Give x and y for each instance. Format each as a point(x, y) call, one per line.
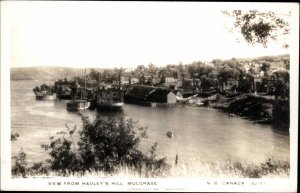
point(227, 73)
point(245, 82)
point(269, 167)
point(20, 164)
point(94, 75)
point(259, 27)
point(106, 145)
point(265, 66)
point(14, 136)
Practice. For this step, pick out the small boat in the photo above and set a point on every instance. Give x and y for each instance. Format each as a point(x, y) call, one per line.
point(199, 104)
point(44, 92)
point(231, 115)
point(75, 105)
point(169, 134)
point(39, 96)
point(50, 96)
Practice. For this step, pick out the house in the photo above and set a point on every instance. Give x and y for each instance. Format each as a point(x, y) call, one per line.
point(178, 93)
point(124, 80)
point(170, 79)
point(138, 93)
point(147, 94)
point(187, 83)
point(162, 96)
point(156, 79)
point(134, 80)
point(262, 84)
point(232, 84)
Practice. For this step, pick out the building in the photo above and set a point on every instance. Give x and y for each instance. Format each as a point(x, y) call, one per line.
point(170, 79)
point(147, 94)
point(162, 96)
point(125, 80)
point(134, 80)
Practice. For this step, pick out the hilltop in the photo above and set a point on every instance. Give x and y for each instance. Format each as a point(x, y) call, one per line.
point(47, 73)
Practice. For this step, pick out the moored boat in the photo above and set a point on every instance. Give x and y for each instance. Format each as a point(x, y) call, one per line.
point(169, 134)
point(63, 88)
point(39, 95)
point(75, 105)
point(79, 104)
point(109, 98)
point(199, 104)
point(50, 96)
point(44, 92)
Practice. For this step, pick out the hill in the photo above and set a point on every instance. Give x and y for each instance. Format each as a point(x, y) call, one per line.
point(47, 73)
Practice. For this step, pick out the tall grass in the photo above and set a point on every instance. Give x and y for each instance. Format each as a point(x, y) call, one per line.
point(228, 169)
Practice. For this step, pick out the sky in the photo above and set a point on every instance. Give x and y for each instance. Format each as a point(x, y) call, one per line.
point(123, 34)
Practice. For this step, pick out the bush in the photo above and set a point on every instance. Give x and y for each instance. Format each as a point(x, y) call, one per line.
point(104, 145)
point(20, 166)
point(14, 136)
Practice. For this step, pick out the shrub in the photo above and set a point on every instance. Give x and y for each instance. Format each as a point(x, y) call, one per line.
point(106, 144)
point(14, 136)
point(20, 166)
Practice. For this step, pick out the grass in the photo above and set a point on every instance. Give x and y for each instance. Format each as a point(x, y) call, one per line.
point(227, 169)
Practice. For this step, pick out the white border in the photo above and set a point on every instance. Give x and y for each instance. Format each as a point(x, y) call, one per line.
point(201, 184)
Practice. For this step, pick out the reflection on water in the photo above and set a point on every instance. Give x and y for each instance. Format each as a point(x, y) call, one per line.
point(200, 134)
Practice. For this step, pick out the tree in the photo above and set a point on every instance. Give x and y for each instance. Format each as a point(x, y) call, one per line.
point(286, 63)
point(265, 67)
point(259, 27)
point(105, 144)
point(245, 82)
point(140, 70)
point(152, 68)
point(226, 73)
point(94, 75)
point(162, 75)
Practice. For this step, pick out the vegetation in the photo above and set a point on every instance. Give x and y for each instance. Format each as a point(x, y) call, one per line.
point(234, 169)
point(270, 168)
point(260, 27)
point(260, 108)
point(105, 145)
point(14, 136)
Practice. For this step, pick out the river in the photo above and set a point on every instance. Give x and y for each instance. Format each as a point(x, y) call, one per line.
point(200, 134)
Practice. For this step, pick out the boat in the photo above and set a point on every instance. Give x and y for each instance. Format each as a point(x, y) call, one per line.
point(50, 96)
point(109, 98)
point(63, 88)
point(39, 96)
point(79, 104)
point(75, 105)
point(44, 92)
point(199, 104)
point(169, 134)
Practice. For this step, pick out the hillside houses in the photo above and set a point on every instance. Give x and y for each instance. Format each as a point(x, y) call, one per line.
point(233, 75)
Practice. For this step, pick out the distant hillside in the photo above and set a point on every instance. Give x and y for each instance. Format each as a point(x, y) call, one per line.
point(276, 61)
point(47, 73)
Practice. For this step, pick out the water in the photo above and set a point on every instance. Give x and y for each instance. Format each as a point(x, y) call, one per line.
point(200, 134)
